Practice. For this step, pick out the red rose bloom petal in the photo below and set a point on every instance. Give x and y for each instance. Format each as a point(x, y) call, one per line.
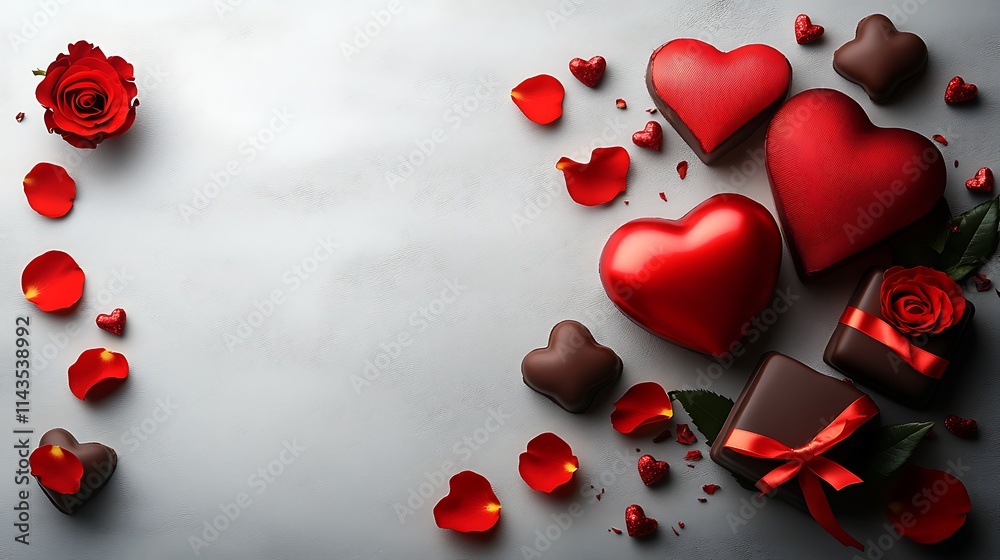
point(93, 367)
point(643, 404)
point(598, 181)
point(920, 300)
point(685, 435)
point(539, 98)
point(548, 463)
point(470, 506)
point(959, 92)
point(50, 190)
point(52, 281)
point(693, 455)
point(682, 169)
point(56, 468)
point(710, 488)
point(927, 505)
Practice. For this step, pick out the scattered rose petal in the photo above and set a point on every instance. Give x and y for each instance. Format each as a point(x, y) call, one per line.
point(805, 31)
point(965, 428)
point(922, 519)
point(702, 500)
point(685, 435)
point(675, 532)
point(940, 139)
point(470, 506)
point(57, 469)
point(680, 524)
point(95, 366)
point(956, 163)
point(113, 323)
point(710, 488)
point(548, 463)
point(539, 98)
point(600, 180)
point(662, 436)
point(694, 455)
point(19, 117)
point(959, 92)
point(663, 196)
point(50, 190)
point(616, 530)
point(589, 72)
point(643, 404)
point(650, 137)
point(620, 103)
point(626, 202)
point(982, 182)
point(652, 471)
point(651, 110)
point(690, 466)
point(682, 169)
point(52, 281)
point(636, 522)
point(982, 282)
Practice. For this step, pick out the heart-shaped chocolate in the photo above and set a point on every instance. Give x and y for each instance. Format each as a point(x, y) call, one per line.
point(652, 471)
point(842, 184)
point(572, 369)
point(99, 463)
point(716, 100)
point(880, 58)
point(114, 322)
point(699, 280)
point(636, 522)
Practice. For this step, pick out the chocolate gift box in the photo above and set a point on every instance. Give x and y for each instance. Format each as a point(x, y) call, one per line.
point(870, 350)
point(799, 433)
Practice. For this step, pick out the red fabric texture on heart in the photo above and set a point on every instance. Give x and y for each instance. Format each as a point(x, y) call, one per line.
point(841, 184)
point(548, 463)
point(698, 280)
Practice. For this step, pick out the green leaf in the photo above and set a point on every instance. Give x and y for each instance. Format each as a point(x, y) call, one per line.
point(38, 72)
point(894, 444)
point(974, 242)
point(707, 410)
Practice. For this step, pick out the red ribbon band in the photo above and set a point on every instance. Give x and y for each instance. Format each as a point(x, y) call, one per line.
point(808, 465)
point(919, 359)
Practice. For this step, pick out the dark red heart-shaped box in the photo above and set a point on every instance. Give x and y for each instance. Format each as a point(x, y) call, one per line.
point(716, 100)
point(841, 184)
point(699, 280)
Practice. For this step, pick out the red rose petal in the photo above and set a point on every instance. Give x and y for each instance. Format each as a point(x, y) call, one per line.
point(651, 110)
point(682, 169)
point(539, 98)
point(663, 196)
point(548, 463)
point(615, 530)
point(983, 181)
point(620, 103)
point(680, 524)
point(693, 455)
point(685, 435)
point(589, 72)
point(702, 500)
point(643, 404)
point(50, 190)
point(805, 31)
point(95, 366)
point(940, 139)
point(982, 282)
point(710, 488)
point(927, 505)
point(956, 163)
point(56, 468)
point(470, 506)
point(52, 281)
point(600, 180)
point(959, 92)
point(19, 117)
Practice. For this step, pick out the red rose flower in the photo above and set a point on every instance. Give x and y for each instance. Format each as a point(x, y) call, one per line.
point(87, 96)
point(920, 300)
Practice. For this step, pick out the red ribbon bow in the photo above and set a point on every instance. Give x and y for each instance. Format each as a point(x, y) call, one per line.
point(919, 359)
point(808, 464)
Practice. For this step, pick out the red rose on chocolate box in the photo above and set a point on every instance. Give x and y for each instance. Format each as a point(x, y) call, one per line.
point(88, 96)
point(920, 300)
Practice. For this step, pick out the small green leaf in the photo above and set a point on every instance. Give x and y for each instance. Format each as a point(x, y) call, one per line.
point(707, 410)
point(38, 72)
point(894, 444)
point(974, 242)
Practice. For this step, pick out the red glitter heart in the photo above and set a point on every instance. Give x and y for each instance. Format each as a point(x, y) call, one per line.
point(589, 72)
point(805, 31)
point(636, 522)
point(650, 137)
point(652, 471)
point(113, 323)
point(959, 92)
point(982, 182)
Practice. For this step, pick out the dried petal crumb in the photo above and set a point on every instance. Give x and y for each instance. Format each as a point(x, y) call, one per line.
point(620, 103)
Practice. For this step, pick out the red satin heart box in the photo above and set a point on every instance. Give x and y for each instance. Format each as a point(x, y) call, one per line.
point(716, 100)
point(697, 281)
point(841, 184)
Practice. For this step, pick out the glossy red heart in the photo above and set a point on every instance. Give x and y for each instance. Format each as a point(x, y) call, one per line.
point(716, 100)
point(698, 280)
point(842, 184)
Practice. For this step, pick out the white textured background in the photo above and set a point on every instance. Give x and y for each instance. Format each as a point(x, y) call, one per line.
point(209, 79)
